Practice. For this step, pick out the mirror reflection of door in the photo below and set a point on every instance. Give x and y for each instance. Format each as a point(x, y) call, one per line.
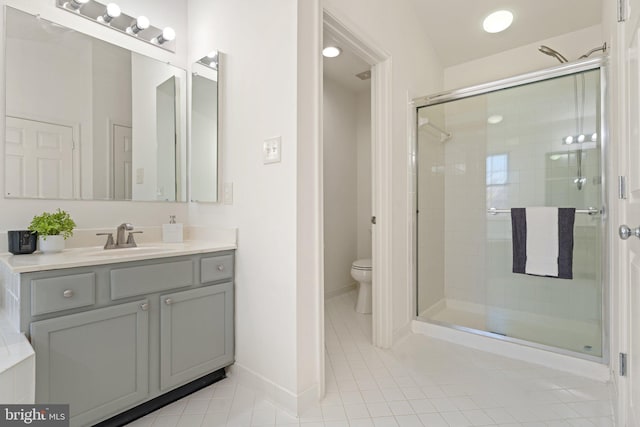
point(204, 137)
point(122, 162)
point(166, 132)
point(39, 159)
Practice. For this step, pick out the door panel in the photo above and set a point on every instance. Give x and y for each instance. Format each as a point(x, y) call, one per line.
point(96, 361)
point(39, 159)
point(196, 333)
point(122, 162)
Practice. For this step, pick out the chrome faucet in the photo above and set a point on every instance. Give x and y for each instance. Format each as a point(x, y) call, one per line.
point(120, 241)
point(120, 233)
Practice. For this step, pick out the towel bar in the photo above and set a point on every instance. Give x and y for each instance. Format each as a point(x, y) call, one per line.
point(588, 211)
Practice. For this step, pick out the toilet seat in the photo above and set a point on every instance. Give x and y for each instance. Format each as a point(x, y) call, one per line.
point(362, 264)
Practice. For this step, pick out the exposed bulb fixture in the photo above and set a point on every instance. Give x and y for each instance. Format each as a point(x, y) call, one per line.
point(112, 11)
point(580, 139)
point(212, 57)
point(167, 35)
point(494, 119)
point(331, 51)
point(111, 16)
point(568, 140)
point(497, 21)
point(140, 23)
point(76, 4)
point(594, 137)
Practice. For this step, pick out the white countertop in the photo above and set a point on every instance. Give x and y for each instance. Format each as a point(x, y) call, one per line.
point(97, 255)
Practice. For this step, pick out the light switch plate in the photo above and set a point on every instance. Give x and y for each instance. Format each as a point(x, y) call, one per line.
point(271, 150)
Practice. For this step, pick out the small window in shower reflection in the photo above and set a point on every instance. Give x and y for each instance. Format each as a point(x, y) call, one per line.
point(497, 180)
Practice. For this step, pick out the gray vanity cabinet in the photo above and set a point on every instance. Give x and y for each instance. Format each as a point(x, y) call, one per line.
point(194, 333)
point(98, 360)
point(113, 336)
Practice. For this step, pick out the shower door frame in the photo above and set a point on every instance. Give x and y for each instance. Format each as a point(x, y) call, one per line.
point(565, 69)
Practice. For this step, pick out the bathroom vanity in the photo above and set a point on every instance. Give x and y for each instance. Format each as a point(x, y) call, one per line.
point(114, 329)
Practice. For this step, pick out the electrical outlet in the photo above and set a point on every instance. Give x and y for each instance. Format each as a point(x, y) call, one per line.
point(271, 150)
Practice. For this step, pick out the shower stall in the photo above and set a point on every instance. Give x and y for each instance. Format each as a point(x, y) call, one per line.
point(527, 141)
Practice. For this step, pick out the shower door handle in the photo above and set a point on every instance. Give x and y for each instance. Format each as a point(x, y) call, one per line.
point(625, 232)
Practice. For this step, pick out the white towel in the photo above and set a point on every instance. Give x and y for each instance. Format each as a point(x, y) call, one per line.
point(542, 241)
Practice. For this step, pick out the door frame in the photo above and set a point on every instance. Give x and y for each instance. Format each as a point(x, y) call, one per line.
point(381, 140)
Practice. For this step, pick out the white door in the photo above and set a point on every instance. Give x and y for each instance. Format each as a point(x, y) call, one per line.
point(629, 250)
point(122, 162)
point(38, 159)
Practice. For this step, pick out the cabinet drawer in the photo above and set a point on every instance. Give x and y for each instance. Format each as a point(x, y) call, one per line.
point(148, 279)
point(62, 293)
point(216, 268)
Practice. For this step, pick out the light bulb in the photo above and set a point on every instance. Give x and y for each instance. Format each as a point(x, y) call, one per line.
point(331, 51)
point(580, 138)
point(498, 21)
point(112, 11)
point(141, 23)
point(594, 137)
point(568, 140)
point(76, 4)
point(167, 35)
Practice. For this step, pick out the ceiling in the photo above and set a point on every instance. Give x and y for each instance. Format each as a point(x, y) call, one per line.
point(454, 27)
point(458, 37)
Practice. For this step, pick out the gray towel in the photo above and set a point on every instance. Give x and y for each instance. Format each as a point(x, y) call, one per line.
point(566, 220)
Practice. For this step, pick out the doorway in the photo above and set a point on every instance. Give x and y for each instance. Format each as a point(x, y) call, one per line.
point(380, 205)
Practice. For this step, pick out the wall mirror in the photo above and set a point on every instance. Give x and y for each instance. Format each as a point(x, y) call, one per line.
point(86, 119)
point(204, 129)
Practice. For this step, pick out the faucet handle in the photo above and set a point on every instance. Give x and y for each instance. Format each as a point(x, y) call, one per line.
point(110, 244)
point(131, 240)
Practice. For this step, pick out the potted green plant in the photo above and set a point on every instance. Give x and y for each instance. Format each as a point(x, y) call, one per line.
point(53, 229)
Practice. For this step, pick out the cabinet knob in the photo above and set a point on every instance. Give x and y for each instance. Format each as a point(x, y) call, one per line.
point(168, 301)
point(144, 306)
point(220, 267)
point(68, 293)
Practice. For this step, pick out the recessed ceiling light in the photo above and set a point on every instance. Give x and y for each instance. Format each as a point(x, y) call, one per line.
point(495, 119)
point(498, 21)
point(331, 51)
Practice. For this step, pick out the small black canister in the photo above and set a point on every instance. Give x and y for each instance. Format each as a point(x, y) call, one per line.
point(22, 241)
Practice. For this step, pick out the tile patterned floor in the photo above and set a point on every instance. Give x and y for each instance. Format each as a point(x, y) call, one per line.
point(421, 382)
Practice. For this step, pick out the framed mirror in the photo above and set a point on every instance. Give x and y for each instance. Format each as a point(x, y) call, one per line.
point(86, 119)
point(204, 129)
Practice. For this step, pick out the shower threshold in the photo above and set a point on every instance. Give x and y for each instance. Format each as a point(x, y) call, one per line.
point(565, 336)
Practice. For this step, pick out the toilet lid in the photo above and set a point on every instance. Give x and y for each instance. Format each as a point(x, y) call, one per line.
point(362, 264)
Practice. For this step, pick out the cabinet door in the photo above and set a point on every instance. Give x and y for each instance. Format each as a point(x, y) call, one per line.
point(196, 333)
point(96, 361)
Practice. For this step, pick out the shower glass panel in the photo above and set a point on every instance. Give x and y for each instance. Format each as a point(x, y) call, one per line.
point(536, 144)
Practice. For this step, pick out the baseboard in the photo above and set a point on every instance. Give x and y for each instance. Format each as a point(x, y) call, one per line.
point(294, 404)
point(584, 368)
point(434, 309)
point(340, 291)
point(401, 333)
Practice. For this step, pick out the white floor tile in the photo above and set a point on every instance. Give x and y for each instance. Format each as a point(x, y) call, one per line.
point(421, 382)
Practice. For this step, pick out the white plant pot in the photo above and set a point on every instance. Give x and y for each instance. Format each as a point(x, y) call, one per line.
point(51, 244)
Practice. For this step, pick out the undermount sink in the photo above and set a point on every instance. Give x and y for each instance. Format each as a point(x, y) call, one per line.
point(114, 253)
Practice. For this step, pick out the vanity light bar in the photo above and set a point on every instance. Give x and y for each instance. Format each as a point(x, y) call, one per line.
point(210, 60)
point(111, 16)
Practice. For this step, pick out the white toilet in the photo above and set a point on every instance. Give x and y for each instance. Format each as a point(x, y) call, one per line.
point(361, 272)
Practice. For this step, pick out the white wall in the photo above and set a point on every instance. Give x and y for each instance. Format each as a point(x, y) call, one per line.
point(340, 146)
point(17, 214)
point(363, 136)
point(257, 41)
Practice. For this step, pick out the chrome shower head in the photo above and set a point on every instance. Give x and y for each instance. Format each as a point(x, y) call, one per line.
point(552, 52)
point(602, 48)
